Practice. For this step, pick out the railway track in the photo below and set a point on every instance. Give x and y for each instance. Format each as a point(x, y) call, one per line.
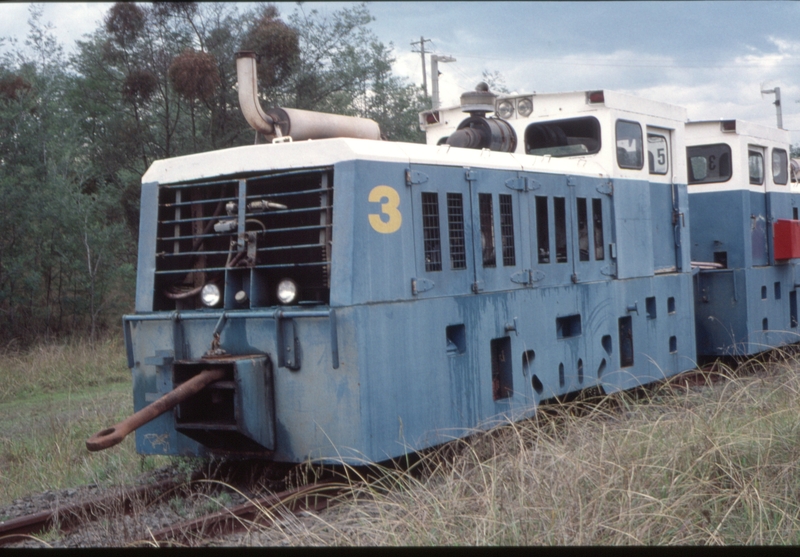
point(262, 511)
point(67, 520)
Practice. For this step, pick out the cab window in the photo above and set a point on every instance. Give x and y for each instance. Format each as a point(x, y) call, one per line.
point(756, 165)
point(629, 145)
point(564, 138)
point(780, 166)
point(709, 163)
point(657, 154)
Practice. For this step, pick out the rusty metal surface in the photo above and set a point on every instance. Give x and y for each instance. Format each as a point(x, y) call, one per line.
point(115, 434)
point(66, 518)
point(314, 497)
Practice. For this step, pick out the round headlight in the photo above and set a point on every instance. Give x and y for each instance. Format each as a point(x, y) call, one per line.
point(525, 107)
point(287, 291)
point(210, 295)
point(505, 109)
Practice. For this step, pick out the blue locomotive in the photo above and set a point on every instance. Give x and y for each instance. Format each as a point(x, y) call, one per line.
point(327, 295)
point(745, 231)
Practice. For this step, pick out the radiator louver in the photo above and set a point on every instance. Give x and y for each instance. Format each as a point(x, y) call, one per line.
point(244, 234)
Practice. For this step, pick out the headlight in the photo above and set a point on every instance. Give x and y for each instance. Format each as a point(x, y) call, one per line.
point(287, 291)
point(525, 107)
point(210, 295)
point(505, 109)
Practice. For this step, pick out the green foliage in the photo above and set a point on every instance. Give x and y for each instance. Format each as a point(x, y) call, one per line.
point(63, 250)
point(152, 81)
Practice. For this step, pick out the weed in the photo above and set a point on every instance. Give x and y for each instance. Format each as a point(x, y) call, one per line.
point(178, 506)
point(712, 465)
point(42, 445)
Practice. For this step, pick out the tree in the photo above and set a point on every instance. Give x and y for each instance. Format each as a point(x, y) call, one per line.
point(495, 81)
point(153, 81)
point(43, 169)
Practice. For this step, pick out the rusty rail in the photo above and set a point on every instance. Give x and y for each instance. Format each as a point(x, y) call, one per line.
point(68, 517)
point(314, 497)
point(115, 434)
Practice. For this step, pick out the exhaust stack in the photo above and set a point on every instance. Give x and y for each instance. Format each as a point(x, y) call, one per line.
point(298, 124)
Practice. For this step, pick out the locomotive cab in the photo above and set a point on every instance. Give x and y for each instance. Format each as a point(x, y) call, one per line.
point(745, 236)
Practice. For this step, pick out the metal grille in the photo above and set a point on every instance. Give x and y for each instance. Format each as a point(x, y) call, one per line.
point(455, 220)
point(430, 231)
point(487, 230)
point(507, 230)
point(279, 226)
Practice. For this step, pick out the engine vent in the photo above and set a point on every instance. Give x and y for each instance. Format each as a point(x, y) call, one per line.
point(244, 234)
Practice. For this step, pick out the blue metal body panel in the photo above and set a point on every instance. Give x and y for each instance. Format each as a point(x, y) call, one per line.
point(403, 357)
point(146, 268)
point(750, 305)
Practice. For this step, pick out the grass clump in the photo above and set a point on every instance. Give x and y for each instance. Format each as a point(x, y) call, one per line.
point(700, 466)
point(52, 398)
point(71, 365)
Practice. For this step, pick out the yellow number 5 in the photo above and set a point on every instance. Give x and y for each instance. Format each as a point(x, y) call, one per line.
point(388, 208)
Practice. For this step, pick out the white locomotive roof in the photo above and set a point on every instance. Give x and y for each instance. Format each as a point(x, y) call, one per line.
point(741, 137)
point(705, 129)
point(326, 152)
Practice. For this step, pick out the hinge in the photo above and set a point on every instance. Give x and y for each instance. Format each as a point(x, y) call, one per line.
point(511, 326)
point(527, 276)
point(609, 270)
point(522, 183)
point(415, 177)
point(607, 188)
point(420, 285)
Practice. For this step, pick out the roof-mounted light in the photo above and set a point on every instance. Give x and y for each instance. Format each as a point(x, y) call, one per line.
point(595, 97)
point(432, 117)
point(525, 107)
point(505, 109)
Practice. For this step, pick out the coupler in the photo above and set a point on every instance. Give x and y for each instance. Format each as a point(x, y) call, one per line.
point(115, 434)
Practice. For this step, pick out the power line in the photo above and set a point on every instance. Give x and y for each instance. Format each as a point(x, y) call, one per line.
point(589, 62)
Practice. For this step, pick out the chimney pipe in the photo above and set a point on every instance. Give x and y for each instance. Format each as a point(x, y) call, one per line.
point(299, 124)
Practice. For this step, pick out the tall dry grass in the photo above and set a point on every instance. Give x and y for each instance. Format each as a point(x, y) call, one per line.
point(707, 465)
point(56, 367)
point(52, 398)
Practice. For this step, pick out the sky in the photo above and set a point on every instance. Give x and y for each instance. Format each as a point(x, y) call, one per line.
point(714, 58)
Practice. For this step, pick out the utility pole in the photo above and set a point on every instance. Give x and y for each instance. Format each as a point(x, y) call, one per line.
point(421, 43)
point(435, 59)
point(777, 103)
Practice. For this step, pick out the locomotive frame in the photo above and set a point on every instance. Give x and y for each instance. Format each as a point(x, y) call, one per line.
point(438, 290)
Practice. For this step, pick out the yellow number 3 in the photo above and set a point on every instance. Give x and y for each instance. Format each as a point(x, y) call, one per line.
point(388, 208)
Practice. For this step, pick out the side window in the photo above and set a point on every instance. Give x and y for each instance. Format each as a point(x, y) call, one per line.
point(756, 164)
point(709, 163)
point(780, 166)
point(564, 138)
point(629, 145)
point(657, 154)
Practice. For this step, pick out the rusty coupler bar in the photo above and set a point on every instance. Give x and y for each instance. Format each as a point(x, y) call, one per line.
point(115, 434)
